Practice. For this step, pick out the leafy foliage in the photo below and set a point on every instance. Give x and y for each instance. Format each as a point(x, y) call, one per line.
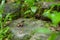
point(3, 33)
point(30, 2)
point(31, 7)
point(3, 30)
point(54, 16)
point(53, 36)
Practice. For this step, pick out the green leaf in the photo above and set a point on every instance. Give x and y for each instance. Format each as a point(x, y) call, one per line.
point(54, 17)
point(47, 13)
point(53, 36)
point(5, 30)
point(7, 17)
point(33, 9)
point(28, 11)
point(3, 2)
point(30, 2)
point(0, 16)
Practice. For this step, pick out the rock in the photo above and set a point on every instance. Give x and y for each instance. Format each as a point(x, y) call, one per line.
point(25, 32)
point(11, 8)
point(39, 36)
